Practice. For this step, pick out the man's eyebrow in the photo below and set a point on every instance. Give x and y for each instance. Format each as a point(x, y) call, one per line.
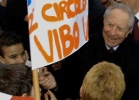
point(122, 27)
point(108, 21)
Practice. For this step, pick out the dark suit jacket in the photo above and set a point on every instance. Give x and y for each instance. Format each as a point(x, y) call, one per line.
point(96, 12)
point(126, 56)
point(15, 12)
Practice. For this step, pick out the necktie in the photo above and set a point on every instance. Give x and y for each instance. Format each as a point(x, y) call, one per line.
point(136, 30)
point(111, 50)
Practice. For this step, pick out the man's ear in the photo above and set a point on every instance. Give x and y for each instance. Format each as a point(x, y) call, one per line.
point(128, 32)
point(26, 18)
point(103, 20)
point(2, 60)
point(24, 95)
point(81, 94)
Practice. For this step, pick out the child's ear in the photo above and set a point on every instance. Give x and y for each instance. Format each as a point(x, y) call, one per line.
point(81, 92)
point(26, 18)
point(24, 95)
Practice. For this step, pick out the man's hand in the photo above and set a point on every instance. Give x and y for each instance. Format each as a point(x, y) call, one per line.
point(52, 96)
point(57, 66)
point(46, 79)
point(3, 3)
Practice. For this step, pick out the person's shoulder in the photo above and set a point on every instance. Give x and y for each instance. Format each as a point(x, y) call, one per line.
point(95, 3)
point(133, 42)
point(96, 11)
point(133, 45)
point(95, 38)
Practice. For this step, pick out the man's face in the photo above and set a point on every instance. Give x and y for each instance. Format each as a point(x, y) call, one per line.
point(116, 27)
point(14, 54)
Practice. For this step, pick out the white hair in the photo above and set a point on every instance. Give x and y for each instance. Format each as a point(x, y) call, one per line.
point(124, 8)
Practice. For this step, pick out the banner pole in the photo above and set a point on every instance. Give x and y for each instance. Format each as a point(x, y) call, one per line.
point(36, 84)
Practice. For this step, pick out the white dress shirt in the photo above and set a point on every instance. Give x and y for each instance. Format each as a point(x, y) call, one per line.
point(114, 48)
point(28, 63)
point(137, 16)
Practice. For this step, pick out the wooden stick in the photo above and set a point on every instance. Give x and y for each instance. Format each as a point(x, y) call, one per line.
point(36, 84)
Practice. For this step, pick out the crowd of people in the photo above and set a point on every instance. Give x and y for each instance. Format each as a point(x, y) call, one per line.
point(105, 68)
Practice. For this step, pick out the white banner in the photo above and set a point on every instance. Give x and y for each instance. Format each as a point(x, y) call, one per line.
point(4, 96)
point(57, 29)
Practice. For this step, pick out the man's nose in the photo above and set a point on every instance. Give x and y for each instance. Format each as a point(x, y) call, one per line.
point(20, 60)
point(113, 31)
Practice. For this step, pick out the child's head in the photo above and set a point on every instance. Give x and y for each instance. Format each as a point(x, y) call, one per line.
point(16, 79)
point(104, 81)
point(11, 49)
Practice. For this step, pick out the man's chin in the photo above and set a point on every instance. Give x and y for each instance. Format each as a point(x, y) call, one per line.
point(111, 45)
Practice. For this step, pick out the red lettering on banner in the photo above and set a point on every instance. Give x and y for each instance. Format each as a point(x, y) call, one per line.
point(85, 32)
point(49, 58)
point(55, 33)
point(66, 38)
point(63, 37)
point(47, 17)
point(33, 26)
point(64, 7)
point(76, 35)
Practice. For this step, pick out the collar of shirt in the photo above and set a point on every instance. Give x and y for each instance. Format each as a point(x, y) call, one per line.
point(137, 16)
point(28, 63)
point(115, 48)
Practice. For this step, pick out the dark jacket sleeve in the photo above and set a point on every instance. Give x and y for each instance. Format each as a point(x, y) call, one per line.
point(96, 12)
